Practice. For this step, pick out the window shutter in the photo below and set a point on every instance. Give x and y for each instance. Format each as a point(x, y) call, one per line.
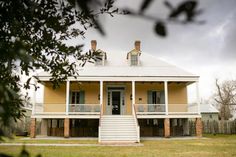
point(162, 97)
point(81, 97)
point(149, 97)
point(70, 97)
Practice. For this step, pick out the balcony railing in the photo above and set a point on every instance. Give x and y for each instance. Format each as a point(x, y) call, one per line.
point(181, 109)
point(84, 109)
point(53, 109)
point(150, 108)
point(160, 109)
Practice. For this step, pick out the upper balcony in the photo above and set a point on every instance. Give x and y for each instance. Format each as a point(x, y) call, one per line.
point(85, 100)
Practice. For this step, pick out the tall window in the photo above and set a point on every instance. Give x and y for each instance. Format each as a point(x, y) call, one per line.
point(156, 97)
point(77, 97)
point(134, 59)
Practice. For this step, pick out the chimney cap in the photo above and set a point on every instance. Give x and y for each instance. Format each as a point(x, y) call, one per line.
point(94, 41)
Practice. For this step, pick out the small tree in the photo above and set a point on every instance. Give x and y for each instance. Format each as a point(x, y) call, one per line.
point(225, 98)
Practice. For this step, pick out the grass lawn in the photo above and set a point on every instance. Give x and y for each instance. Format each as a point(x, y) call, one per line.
point(213, 146)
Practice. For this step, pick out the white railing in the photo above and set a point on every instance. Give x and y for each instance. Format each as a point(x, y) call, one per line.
point(180, 109)
point(159, 109)
point(38, 108)
point(136, 123)
point(84, 109)
point(53, 109)
point(150, 108)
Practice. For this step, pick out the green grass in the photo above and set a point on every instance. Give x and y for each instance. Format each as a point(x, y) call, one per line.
point(212, 146)
point(64, 141)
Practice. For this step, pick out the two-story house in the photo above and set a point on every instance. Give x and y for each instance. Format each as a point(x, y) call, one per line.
point(121, 97)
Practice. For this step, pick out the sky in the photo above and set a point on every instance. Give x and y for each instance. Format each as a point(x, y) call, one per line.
point(208, 50)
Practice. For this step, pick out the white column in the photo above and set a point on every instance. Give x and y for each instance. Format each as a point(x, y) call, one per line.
point(166, 96)
point(198, 98)
point(34, 99)
point(133, 94)
point(101, 95)
point(67, 96)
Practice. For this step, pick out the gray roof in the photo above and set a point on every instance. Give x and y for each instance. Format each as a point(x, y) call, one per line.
point(208, 108)
point(117, 65)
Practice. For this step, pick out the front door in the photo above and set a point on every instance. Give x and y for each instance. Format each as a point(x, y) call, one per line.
point(116, 102)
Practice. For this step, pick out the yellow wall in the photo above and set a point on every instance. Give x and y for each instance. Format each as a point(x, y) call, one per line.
point(143, 88)
point(177, 97)
point(91, 90)
point(54, 99)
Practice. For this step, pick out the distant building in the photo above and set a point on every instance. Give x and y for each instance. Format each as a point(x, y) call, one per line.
point(209, 112)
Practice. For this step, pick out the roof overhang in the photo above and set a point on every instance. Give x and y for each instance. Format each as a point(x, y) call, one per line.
point(189, 79)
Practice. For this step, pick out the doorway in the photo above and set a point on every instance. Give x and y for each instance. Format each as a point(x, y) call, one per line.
point(115, 101)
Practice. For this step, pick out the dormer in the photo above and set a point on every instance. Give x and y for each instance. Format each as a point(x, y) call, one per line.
point(99, 56)
point(133, 56)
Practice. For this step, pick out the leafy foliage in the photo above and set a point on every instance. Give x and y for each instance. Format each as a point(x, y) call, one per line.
point(33, 34)
point(187, 8)
point(32, 37)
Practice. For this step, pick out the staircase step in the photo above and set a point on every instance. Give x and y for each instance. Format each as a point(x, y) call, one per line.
point(118, 128)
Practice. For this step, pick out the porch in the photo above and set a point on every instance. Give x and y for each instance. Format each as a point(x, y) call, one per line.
point(90, 99)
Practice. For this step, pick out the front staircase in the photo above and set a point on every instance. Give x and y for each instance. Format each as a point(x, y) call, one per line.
point(118, 128)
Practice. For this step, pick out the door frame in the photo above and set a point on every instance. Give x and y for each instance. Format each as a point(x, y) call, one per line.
point(122, 99)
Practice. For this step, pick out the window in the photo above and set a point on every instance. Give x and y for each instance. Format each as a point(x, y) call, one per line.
point(99, 60)
point(156, 97)
point(100, 57)
point(134, 59)
point(77, 97)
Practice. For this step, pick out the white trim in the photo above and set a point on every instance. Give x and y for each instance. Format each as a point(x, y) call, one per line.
point(101, 93)
point(67, 116)
point(168, 116)
point(133, 94)
point(129, 78)
point(67, 96)
point(198, 97)
point(34, 98)
point(166, 96)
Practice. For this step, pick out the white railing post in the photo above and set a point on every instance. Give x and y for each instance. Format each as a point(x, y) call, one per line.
point(67, 96)
point(133, 94)
point(198, 98)
point(166, 96)
point(101, 94)
point(34, 99)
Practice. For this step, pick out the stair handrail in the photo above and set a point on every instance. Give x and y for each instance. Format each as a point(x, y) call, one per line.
point(136, 122)
point(99, 127)
point(101, 113)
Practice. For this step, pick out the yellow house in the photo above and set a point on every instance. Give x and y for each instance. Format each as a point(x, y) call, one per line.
point(121, 97)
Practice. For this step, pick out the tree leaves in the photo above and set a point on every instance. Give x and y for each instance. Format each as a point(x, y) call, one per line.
point(145, 5)
point(160, 29)
point(188, 8)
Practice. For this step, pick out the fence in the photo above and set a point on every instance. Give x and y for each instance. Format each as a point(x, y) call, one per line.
point(215, 127)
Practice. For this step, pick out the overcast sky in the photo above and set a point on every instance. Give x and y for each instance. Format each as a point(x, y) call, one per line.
point(207, 50)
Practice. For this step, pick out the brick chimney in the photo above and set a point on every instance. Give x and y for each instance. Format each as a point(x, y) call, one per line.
point(93, 45)
point(137, 45)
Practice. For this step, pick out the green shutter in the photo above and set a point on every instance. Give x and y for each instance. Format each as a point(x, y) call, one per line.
point(70, 97)
point(162, 97)
point(149, 97)
point(81, 97)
